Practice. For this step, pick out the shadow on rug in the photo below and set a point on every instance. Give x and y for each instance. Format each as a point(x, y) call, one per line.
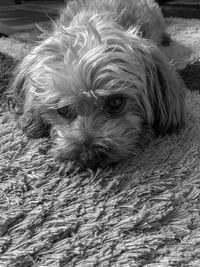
point(143, 213)
point(191, 76)
point(7, 65)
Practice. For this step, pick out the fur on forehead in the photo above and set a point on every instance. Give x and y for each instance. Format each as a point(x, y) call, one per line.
point(98, 57)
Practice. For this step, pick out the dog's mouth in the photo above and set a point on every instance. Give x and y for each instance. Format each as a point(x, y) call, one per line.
point(93, 159)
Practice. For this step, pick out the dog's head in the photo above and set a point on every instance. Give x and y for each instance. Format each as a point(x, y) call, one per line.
point(101, 91)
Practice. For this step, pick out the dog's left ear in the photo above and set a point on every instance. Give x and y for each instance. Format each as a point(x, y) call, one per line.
point(21, 102)
point(165, 90)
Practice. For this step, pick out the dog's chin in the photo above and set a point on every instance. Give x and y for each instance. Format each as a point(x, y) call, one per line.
point(92, 159)
point(95, 152)
point(88, 160)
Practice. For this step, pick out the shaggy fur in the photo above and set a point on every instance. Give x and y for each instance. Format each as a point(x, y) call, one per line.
point(98, 86)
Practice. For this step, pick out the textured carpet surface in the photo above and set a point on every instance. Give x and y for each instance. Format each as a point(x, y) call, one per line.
point(142, 213)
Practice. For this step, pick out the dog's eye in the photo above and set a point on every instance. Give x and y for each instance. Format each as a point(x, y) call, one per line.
point(67, 112)
point(115, 105)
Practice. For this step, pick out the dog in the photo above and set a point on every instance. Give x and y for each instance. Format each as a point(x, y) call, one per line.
point(99, 84)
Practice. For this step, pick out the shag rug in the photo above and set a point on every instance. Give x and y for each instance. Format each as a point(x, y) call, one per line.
point(141, 213)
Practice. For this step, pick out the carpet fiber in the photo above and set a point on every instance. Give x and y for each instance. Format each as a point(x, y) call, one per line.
point(142, 213)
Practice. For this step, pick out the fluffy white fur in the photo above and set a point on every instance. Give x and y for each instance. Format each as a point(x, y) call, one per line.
point(97, 85)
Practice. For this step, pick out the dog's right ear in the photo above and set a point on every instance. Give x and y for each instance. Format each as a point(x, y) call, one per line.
point(22, 103)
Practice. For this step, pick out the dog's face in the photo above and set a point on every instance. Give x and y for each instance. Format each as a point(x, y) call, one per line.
point(102, 92)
